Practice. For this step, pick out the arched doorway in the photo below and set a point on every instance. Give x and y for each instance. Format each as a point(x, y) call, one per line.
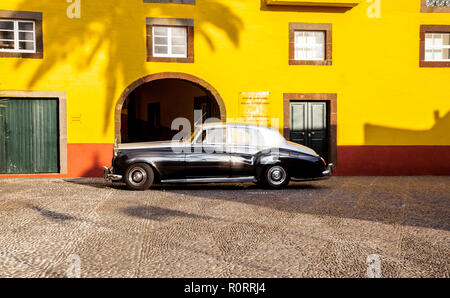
point(147, 107)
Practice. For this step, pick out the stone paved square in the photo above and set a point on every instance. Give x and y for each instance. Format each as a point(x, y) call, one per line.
point(311, 229)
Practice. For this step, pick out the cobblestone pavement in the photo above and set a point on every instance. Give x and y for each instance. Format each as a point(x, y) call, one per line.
point(312, 229)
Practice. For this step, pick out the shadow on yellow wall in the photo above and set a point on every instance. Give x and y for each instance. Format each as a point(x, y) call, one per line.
point(114, 32)
point(439, 134)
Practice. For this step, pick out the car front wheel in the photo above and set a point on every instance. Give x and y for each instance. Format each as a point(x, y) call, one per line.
point(276, 176)
point(139, 176)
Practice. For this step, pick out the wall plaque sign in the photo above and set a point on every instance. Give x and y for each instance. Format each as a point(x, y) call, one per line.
point(254, 106)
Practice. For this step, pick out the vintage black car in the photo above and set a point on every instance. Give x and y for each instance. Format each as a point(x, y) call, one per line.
point(218, 153)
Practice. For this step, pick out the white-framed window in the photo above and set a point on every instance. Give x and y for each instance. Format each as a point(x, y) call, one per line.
point(310, 45)
point(17, 36)
point(437, 47)
point(170, 41)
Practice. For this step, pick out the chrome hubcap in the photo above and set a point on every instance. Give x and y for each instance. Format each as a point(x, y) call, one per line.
point(276, 175)
point(137, 176)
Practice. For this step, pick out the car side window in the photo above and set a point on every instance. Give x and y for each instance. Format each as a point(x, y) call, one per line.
point(244, 137)
point(238, 136)
point(212, 136)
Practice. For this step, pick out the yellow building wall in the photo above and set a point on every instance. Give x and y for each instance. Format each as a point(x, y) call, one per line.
point(384, 97)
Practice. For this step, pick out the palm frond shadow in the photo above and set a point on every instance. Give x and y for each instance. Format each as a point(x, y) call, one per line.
point(113, 37)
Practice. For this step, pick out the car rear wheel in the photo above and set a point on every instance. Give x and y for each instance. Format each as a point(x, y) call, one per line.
point(276, 176)
point(139, 176)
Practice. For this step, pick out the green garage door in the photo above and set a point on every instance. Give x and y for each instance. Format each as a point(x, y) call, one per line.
point(29, 136)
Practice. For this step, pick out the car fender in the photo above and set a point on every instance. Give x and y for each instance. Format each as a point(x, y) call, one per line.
point(130, 158)
point(266, 158)
point(296, 163)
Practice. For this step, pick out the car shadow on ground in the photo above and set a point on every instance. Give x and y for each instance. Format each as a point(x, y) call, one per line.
point(386, 202)
point(98, 183)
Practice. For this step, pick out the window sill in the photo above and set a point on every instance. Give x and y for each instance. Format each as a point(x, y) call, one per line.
point(192, 2)
point(168, 59)
point(434, 64)
point(21, 55)
point(329, 3)
point(310, 62)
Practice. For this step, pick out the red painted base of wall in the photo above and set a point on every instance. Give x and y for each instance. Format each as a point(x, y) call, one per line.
point(393, 160)
point(83, 160)
point(86, 160)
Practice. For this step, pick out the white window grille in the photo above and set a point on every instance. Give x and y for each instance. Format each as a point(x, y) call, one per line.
point(437, 47)
point(17, 36)
point(309, 45)
point(170, 42)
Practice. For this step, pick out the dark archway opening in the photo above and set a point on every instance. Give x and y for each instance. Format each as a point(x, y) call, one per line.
point(148, 111)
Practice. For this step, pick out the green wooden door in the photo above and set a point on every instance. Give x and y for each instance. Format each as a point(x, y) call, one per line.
point(29, 136)
point(309, 126)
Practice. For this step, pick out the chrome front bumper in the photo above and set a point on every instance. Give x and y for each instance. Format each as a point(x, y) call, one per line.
point(329, 171)
point(109, 176)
